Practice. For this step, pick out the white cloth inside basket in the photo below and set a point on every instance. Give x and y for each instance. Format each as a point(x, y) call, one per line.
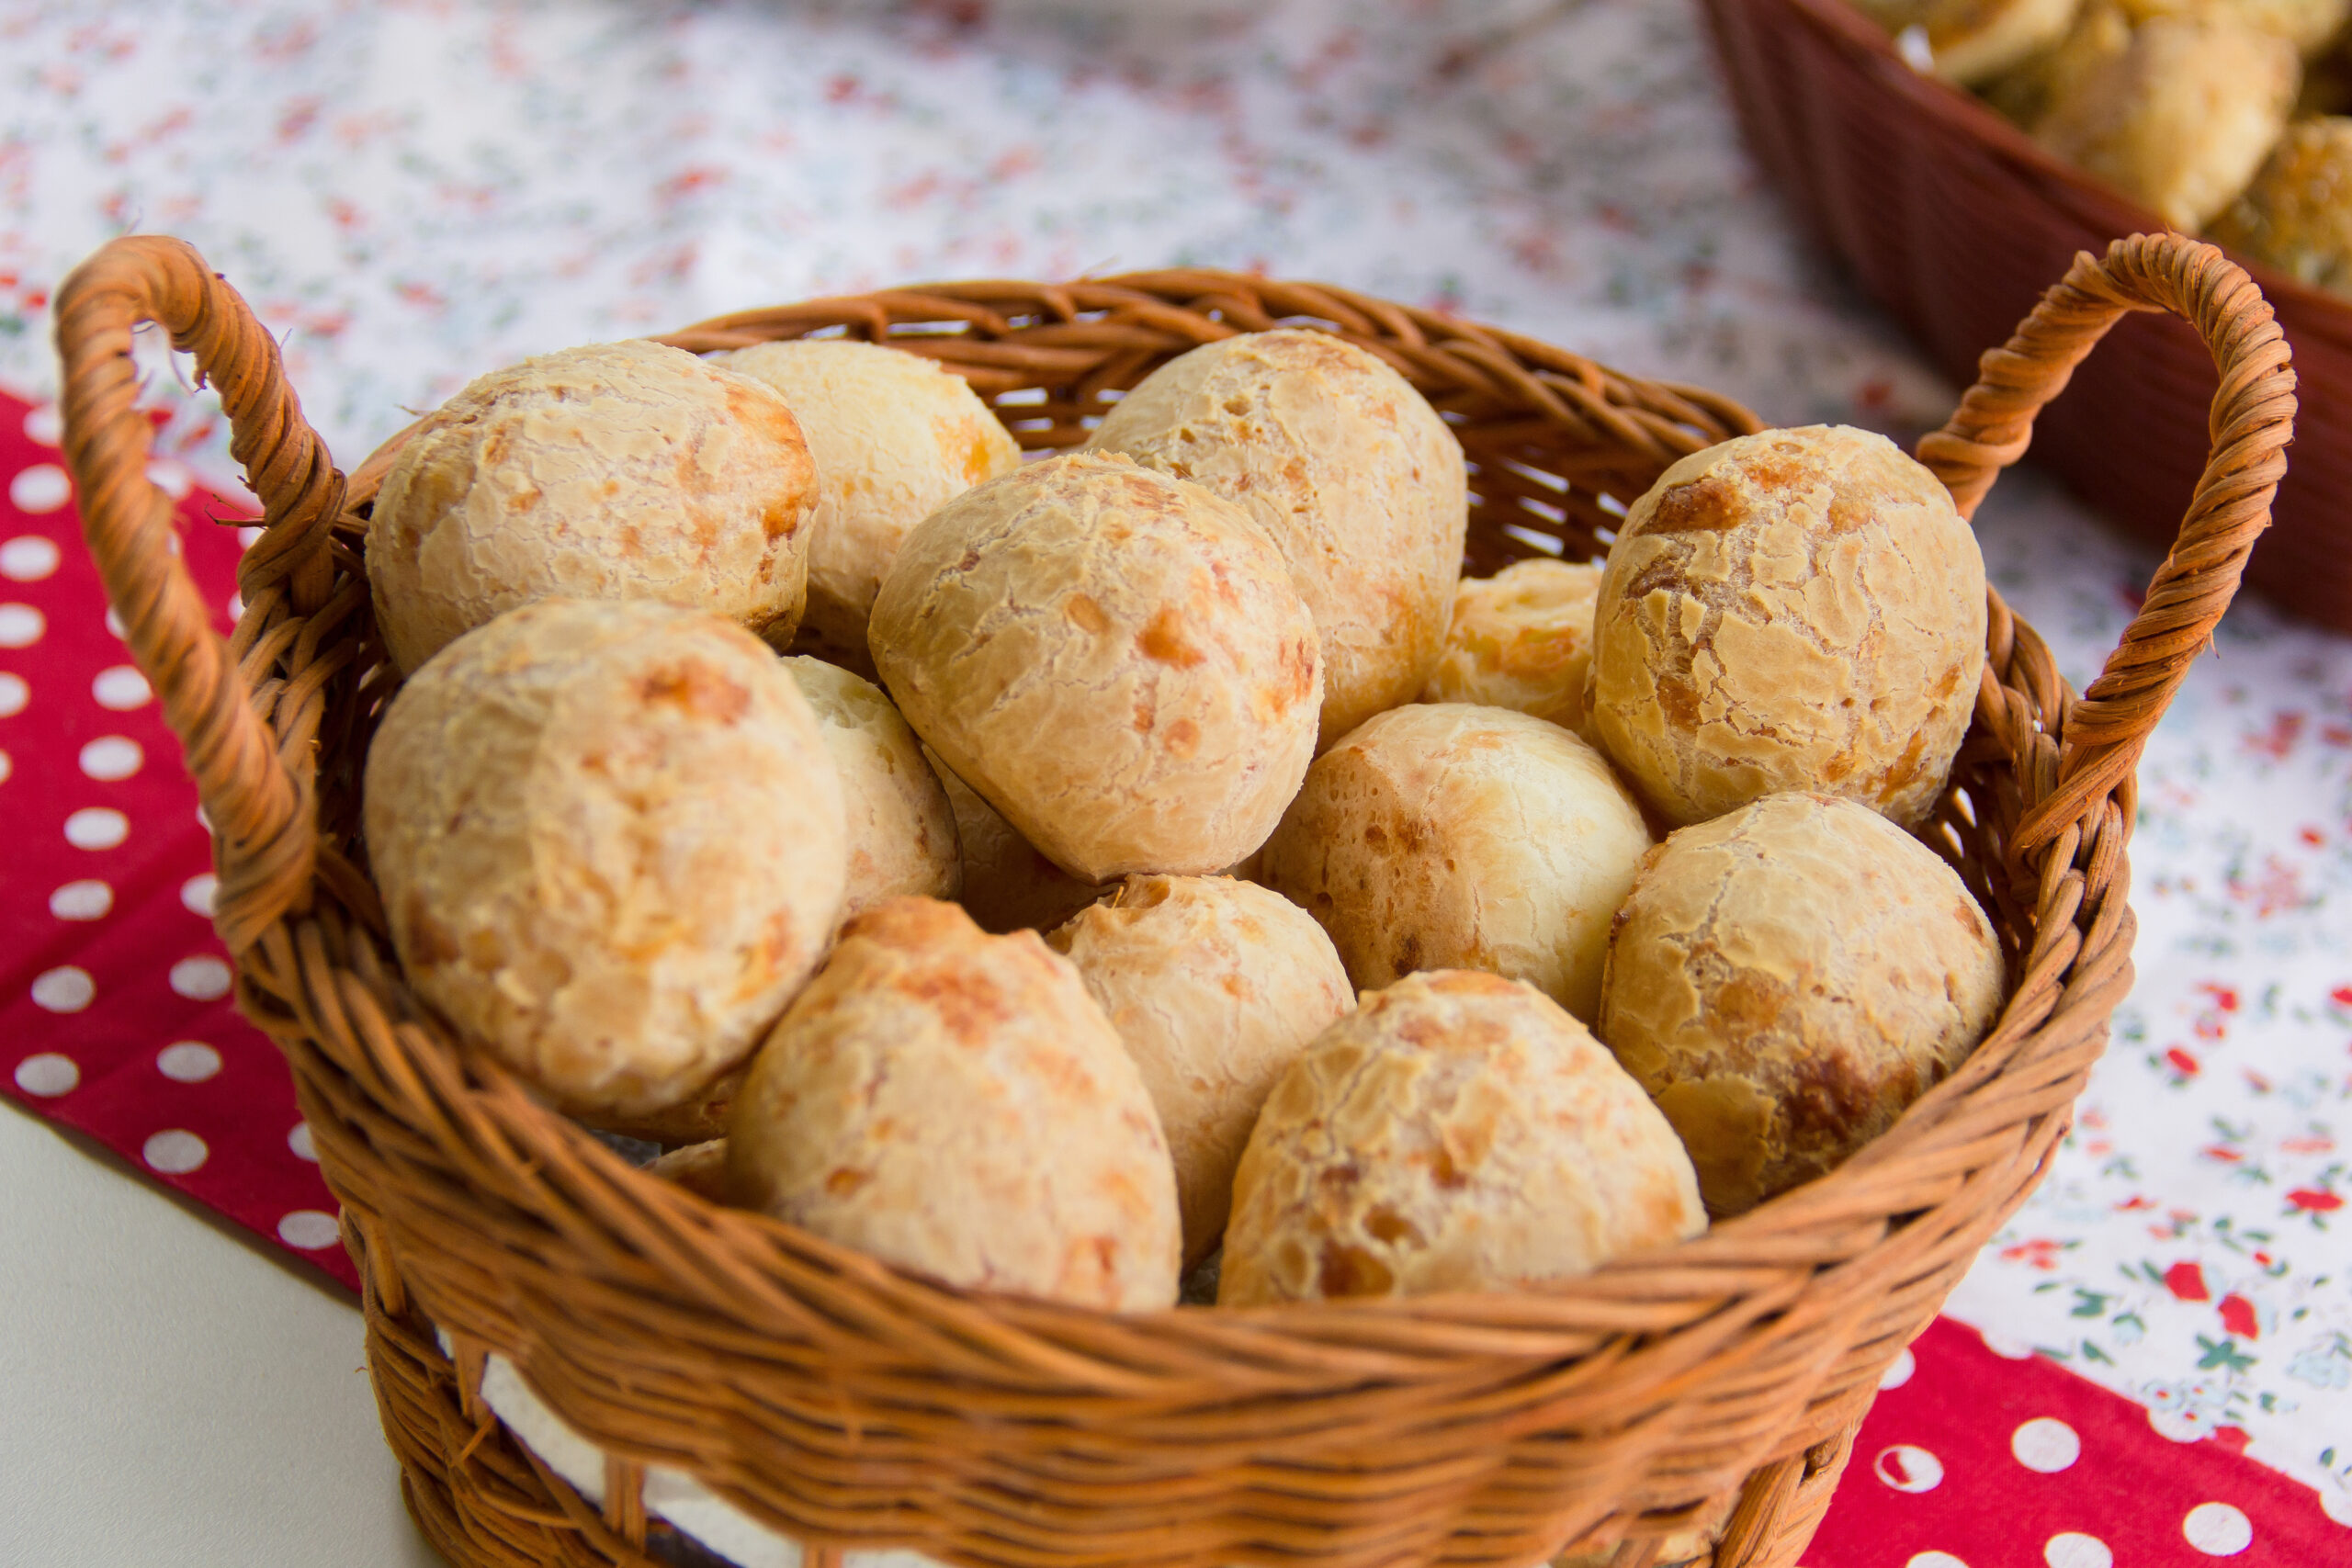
point(670, 1495)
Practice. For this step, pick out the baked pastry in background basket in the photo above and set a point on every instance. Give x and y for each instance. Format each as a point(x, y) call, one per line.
point(1951, 215)
point(718, 1371)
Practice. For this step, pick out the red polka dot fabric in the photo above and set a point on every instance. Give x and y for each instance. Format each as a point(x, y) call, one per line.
point(114, 1021)
point(1972, 1458)
point(114, 1017)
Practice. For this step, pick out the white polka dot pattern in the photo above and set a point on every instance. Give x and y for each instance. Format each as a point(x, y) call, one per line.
point(123, 1023)
point(198, 892)
point(120, 688)
point(1908, 1468)
point(43, 487)
point(110, 758)
point(299, 1140)
point(21, 626)
point(175, 1152)
point(191, 1061)
point(65, 989)
point(96, 827)
point(2071, 1549)
point(201, 978)
point(309, 1229)
point(30, 558)
point(48, 1074)
point(83, 900)
point(2045, 1446)
point(2217, 1529)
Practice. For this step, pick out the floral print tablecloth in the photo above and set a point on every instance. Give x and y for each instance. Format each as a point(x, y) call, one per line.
point(412, 192)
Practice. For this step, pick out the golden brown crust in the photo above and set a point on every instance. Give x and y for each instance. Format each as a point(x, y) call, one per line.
point(2100, 31)
point(1443, 836)
point(2181, 119)
point(609, 839)
point(901, 831)
point(1972, 41)
point(1522, 639)
point(2310, 25)
point(621, 471)
point(1457, 1132)
point(1347, 469)
point(1214, 985)
point(956, 1103)
point(1797, 609)
point(2298, 213)
point(895, 436)
point(1786, 979)
point(698, 1119)
point(700, 1169)
point(1008, 886)
point(1113, 658)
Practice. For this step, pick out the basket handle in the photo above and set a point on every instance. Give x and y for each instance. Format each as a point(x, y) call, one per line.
point(2253, 420)
point(256, 787)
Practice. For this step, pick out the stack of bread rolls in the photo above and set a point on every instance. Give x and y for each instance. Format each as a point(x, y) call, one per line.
point(2232, 119)
point(1153, 860)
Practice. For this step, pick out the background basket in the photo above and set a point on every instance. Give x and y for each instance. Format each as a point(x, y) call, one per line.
point(1953, 220)
point(848, 1405)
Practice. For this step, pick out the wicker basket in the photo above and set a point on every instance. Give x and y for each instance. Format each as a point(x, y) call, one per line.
point(1955, 219)
point(851, 1406)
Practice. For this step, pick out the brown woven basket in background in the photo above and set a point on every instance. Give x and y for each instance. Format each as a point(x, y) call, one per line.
point(1953, 220)
point(851, 1405)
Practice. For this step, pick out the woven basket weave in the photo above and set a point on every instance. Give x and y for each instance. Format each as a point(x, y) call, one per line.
point(848, 1405)
point(1953, 220)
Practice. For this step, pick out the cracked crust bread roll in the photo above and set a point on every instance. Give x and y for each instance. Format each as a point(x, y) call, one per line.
point(1008, 886)
point(1973, 41)
point(2100, 31)
point(895, 436)
point(2298, 213)
point(622, 470)
point(1215, 986)
point(1457, 1132)
point(901, 831)
point(1522, 639)
point(956, 1103)
point(1786, 979)
point(1796, 609)
point(2310, 25)
point(610, 843)
point(1113, 658)
point(1443, 836)
point(2181, 119)
point(1347, 469)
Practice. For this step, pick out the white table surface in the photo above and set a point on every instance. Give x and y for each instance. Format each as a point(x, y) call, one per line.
point(175, 1397)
